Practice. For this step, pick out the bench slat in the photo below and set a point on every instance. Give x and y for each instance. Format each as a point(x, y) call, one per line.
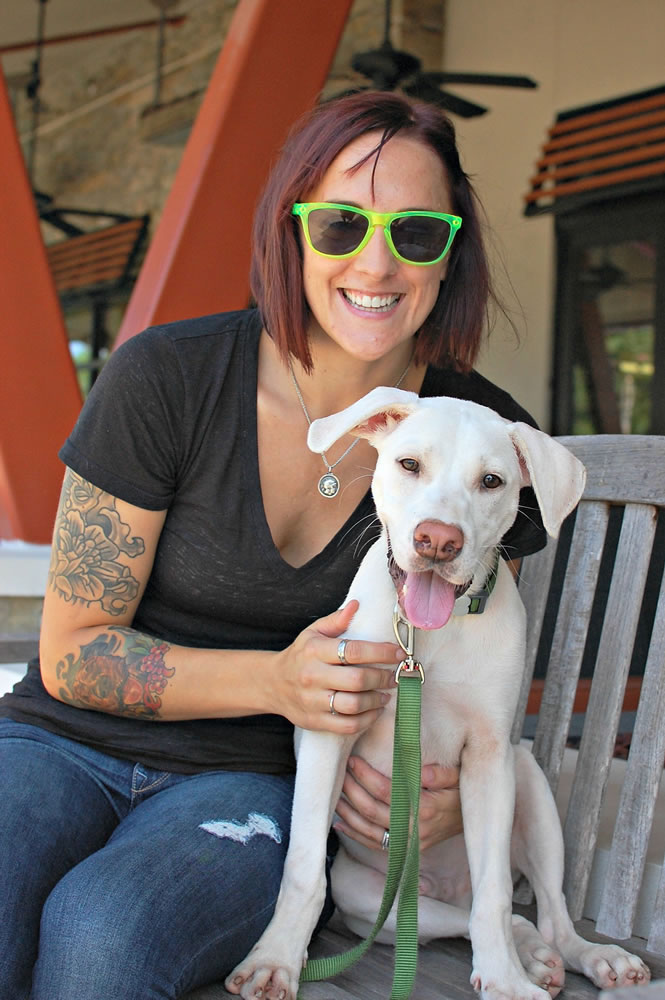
point(534, 583)
point(617, 638)
point(569, 639)
point(622, 468)
point(644, 773)
point(656, 942)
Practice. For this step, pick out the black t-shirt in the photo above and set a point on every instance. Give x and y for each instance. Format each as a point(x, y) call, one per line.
point(171, 424)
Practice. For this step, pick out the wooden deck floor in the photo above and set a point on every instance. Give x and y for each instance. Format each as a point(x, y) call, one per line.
point(444, 968)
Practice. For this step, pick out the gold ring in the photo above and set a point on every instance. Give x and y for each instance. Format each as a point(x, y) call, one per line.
point(331, 702)
point(341, 651)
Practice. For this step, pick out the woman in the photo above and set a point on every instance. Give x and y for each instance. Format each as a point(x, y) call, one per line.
point(199, 547)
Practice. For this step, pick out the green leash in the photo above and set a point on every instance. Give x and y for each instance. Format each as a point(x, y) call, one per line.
point(404, 850)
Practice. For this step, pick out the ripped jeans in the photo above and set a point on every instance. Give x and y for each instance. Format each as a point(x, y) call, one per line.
point(122, 883)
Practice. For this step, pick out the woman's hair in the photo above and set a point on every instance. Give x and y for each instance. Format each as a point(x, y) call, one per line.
point(452, 333)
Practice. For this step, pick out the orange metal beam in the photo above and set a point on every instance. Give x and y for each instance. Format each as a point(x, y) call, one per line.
point(39, 393)
point(272, 66)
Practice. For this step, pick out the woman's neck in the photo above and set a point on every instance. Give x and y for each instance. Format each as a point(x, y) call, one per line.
point(337, 379)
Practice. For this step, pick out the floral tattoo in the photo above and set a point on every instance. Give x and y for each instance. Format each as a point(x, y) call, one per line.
point(89, 538)
point(121, 672)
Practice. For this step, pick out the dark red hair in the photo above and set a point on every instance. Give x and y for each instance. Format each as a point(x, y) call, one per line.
point(452, 333)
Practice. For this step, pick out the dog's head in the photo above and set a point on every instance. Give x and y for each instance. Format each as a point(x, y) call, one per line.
point(446, 487)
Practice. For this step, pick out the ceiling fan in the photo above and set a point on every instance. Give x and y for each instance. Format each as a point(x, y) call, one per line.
point(388, 68)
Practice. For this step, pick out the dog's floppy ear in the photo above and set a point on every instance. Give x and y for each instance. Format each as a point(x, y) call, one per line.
point(370, 417)
point(557, 476)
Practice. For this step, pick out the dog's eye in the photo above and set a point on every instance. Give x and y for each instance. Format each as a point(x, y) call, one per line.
point(410, 464)
point(490, 481)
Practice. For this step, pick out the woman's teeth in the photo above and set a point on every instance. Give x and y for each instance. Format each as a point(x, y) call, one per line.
point(374, 302)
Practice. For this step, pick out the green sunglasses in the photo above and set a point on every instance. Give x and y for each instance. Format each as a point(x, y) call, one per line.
point(342, 230)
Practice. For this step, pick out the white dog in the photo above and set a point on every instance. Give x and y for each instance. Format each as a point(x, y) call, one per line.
point(446, 488)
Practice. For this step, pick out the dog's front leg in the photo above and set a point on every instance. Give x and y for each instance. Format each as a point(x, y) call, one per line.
point(487, 789)
point(272, 968)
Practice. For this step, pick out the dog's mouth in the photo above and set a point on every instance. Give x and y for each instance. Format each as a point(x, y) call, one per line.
point(426, 599)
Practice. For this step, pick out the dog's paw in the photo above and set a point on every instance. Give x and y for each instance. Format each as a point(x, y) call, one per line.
point(514, 986)
point(258, 979)
point(542, 964)
point(609, 966)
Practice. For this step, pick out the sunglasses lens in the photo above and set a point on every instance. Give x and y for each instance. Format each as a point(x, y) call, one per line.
point(420, 238)
point(336, 231)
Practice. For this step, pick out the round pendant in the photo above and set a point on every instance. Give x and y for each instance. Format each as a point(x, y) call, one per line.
point(329, 485)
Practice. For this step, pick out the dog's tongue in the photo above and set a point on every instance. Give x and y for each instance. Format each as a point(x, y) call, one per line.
point(428, 600)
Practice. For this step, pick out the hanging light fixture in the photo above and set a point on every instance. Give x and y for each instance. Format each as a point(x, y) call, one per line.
point(33, 87)
point(163, 6)
point(167, 122)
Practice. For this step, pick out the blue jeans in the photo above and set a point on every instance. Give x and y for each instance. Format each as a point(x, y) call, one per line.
point(123, 883)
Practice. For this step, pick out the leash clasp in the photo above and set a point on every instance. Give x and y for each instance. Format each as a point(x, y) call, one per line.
point(409, 666)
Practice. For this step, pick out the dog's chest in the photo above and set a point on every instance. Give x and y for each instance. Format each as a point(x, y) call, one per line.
point(444, 731)
point(472, 671)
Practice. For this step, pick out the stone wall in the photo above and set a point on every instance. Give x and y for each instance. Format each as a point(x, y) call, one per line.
point(97, 146)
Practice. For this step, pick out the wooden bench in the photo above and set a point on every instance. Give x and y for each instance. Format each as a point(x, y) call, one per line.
point(624, 496)
point(95, 269)
point(99, 261)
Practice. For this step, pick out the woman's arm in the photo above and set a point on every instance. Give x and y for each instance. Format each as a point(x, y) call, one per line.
point(91, 657)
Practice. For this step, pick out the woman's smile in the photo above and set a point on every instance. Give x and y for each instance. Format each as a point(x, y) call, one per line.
point(371, 302)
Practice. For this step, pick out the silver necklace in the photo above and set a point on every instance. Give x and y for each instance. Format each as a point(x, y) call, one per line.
point(328, 484)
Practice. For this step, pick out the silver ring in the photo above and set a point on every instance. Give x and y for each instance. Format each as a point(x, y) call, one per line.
point(341, 651)
point(331, 702)
point(385, 843)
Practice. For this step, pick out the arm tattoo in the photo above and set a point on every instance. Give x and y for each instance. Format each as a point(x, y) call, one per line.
point(88, 540)
point(121, 672)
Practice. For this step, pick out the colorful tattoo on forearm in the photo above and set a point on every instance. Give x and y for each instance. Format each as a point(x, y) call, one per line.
point(88, 540)
point(121, 672)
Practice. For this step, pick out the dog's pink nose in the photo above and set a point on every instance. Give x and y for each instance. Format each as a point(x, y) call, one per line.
point(436, 540)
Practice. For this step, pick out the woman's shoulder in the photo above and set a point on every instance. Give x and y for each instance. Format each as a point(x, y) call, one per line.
point(170, 357)
point(156, 395)
point(476, 388)
point(201, 332)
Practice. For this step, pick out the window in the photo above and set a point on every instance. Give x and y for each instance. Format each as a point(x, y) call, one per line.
point(609, 350)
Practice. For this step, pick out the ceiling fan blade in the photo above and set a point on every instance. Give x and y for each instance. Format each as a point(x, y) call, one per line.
point(460, 106)
point(345, 93)
point(426, 91)
point(484, 79)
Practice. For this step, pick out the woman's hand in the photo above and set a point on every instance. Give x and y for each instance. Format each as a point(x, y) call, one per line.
point(315, 689)
point(364, 808)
